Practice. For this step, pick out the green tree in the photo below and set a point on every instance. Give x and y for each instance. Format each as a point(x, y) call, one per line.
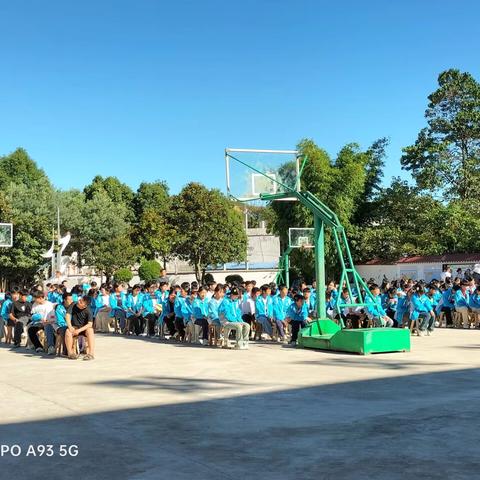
point(446, 154)
point(118, 192)
point(27, 202)
point(209, 228)
point(113, 254)
point(153, 229)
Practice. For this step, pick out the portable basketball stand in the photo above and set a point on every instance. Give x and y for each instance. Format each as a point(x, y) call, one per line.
point(324, 333)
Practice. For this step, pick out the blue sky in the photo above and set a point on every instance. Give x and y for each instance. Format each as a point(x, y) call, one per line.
point(149, 90)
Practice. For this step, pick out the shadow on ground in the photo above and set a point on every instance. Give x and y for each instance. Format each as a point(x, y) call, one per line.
point(415, 426)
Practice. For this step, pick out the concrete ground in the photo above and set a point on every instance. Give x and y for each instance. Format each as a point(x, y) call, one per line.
point(150, 410)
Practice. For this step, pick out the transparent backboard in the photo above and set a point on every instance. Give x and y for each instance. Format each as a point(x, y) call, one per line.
point(6, 235)
point(251, 173)
point(301, 238)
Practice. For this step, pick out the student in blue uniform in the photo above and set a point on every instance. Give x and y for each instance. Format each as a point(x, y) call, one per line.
point(151, 308)
point(375, 310)
point(421, 312)
point(281, 302)
point(168, 313)
point(475, 304)
point(214, 305)
point(118, 304)
point(135, 310)
point(178, 308)
point(297, 316)
point(264, 309)
point(462, 301)
point(200, 312)
point(448, 302)
point(232, 314)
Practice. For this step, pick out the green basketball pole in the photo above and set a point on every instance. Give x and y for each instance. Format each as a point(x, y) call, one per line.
point(323, 333)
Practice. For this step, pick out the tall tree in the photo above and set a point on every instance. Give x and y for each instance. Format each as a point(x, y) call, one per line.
point(27, 202)
point(209, 228)
point(152, 227)
point(117, 191)
point(446, 154)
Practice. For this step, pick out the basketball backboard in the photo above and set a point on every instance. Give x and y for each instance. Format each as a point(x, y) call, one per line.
point(6, 235)
point(301, 238)
point(251, 173)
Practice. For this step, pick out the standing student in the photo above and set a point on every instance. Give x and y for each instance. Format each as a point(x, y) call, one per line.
point(448, 302)
point(297, 316)
point(281, 303)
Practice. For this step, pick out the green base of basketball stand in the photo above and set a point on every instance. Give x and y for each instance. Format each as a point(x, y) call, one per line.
point(327, 335)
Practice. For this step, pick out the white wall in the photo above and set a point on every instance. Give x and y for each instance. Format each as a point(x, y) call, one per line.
point(377, 272)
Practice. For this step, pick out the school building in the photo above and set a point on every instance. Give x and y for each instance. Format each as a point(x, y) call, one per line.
point(420, 267)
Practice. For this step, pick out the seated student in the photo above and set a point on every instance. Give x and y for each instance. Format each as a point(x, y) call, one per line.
point(247, 305)
point(475, 304)
point(264, 310)
point(350, 315)
point(214, 305)
point(187, 309)
point(152, 309)
point(462, 301)
point(178, 308)
point(297, 316)
point(103, 309)
point(5, 314)
point(390, 304)
point(59, 326)
point(281, 302)
point(422, 312)
point(79, 321)
point(20, 315)
point(135, 311)
point(402, 313)
point(447, 302)
point(168, 312)
point(232, 317)
point(374, 308)
point(309, 301)
point(200, 312)
point(118, 304)
point(43, 314)
point(162, 292)
point(211, 289)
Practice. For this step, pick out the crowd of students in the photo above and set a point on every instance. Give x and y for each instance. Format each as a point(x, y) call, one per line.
point(64, 321)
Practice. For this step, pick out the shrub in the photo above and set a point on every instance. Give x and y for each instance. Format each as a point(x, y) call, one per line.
point(234, 279)
point(149, 270)
point(123, 275)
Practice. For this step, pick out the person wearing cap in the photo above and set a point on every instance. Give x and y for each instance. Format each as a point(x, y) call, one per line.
point(231, 314)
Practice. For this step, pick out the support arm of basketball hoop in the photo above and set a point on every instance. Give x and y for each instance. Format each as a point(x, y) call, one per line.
point(319, 234)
